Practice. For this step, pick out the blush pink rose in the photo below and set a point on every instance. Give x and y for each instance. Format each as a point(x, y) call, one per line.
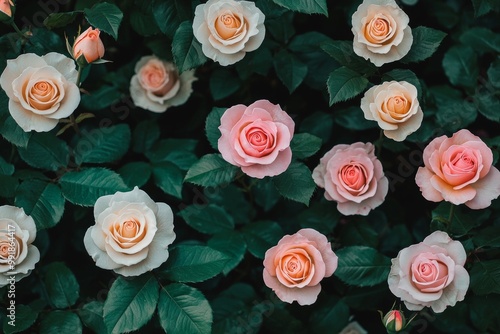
point(228, 29)
point(294, 268)
point(89, 45)
point(430, 274)
point(6, 7)
point(257, 138)
point(459, 170)
point(381, 31)
point(395, 107)
point(353, 177)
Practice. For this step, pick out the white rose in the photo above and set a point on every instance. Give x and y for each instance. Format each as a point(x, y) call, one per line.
point(381, 31)
point(131, 234)
point(157, 85)
point(17, 254)
point(228, 29)
point(41, 90)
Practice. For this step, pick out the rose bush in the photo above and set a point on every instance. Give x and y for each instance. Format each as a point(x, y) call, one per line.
point(41, 90)
point(430, 274)
point(381, 31)
point(395, 107)
point(131, 233)
point(353, 177)
point(257, 138)
point(295, 267)
point(157, 84)
point(459, 170)
point(17, 254)
point(228, 29)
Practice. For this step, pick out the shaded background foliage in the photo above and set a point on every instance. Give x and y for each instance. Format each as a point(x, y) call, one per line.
point(225, 221)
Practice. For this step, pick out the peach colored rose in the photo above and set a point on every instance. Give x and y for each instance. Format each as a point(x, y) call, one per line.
point(353, 177)
point(17, 254)
point(381, 31)
point(295, 267)
point(41, 90)
point(430, 274)
point(395, 107)
point(228, 29)
point(6, 9)
point(157, 84)
point(257, 138)
point(459, 170)
point(89, 45)
point(131, 234)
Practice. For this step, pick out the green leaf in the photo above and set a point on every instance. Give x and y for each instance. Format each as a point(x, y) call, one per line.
point(5, 167)
point(41, 200)
point(344, 84)
point(61, 285)
point(296, 183)
point(233, 199)
point(331, 316)
point(84, 187)
point(223, 83)
point(457, 221)
point(265, 193)
point(359, 233)
point(169, 15)
point(145, 134)
point(305, 6)
point(209, 219)
point(91, 315)
point(261, 236)
point(183, 309)
point(12, 132)
point(319, 124)
point(461, 66)
point(343, 53)
point(233, 245)
point(106, 17)
point(321, 216)
point(135, 173)
point(103, 145)
point(57, 322)
point(353, 118)
point(212, 126)
point(482, 7)
point(168, 177)
point(60, 20)
point(362, 266)
point(101, 98)
point(25, 317)
point(142, 19)
point(481, 39)
point(485, 277)
point(290, 70)
point(488, 104)
point(194, 263)
point(494, 73)
point(305, 145)
point(259, 61)
point(487, 237)
point(425, 42)
point(177, 151)
point(45, 151)
point(211, 171)
point(9, 186)
point(186, 49)
point(130, 303)
point(455, 114)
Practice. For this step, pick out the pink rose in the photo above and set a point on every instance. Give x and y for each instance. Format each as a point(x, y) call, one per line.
point(295, 267)
point(89, 45)
point(6, 9)
point(228, 29)
point(257, 138)
point(459, 170)
point(381, 31)
point(430, 274)
point(394, 105)
point(353, 177)
point(157, 84)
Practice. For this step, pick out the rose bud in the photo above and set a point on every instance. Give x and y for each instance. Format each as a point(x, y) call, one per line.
point(394, 321)
point(88, 45)
point(6, 11)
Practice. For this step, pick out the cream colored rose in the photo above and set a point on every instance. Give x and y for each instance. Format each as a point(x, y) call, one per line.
point(17, 254)
point(41, 90)
point(157, 85)
point(131, 234)
point(394, 105)
point(228, 29)
point(381, 31)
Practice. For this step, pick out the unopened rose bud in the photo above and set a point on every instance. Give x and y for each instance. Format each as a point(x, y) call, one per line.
point(394, 321)
point(6, 11)
point(89, 46)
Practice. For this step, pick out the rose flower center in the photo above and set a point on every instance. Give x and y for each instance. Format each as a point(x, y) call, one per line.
point(353, 176)
point(378, 30)
point(398, 106)
point(228, 25)
point(42, 95)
